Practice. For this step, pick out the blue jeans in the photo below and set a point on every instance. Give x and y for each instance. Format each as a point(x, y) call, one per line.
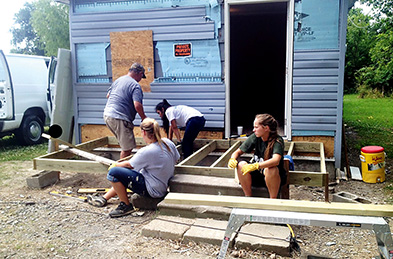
point(131, 179)
point(193, 127)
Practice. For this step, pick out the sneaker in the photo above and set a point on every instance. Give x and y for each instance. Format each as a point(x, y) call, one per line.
point(96, 200)
point(122, 210)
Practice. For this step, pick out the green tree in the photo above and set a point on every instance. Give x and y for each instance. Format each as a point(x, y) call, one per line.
point(360, 38)
point(378, 76)
point(50, 21)
point(24, 38)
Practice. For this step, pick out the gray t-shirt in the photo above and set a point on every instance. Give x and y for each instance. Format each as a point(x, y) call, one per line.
point(157, 165)
point(123, 92)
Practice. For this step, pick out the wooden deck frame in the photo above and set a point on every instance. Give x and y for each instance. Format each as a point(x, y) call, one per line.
point(65, 161)
point(219, 168)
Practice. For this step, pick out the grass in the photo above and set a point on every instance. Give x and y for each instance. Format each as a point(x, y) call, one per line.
point(372, 121)
point(10, 150)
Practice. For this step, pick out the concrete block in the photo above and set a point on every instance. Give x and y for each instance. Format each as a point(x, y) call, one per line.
point(144, 203)
point(167, 227)
point(194, 211)
point(43, 179)
point(349, 197)
point(265, 237)
point(208, 231)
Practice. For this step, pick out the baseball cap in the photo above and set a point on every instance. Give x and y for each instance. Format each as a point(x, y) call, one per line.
point(138, 68)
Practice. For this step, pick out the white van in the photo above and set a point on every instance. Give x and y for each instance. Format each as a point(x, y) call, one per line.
point(23, 96)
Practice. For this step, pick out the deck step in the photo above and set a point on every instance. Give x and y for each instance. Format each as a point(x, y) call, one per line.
point(201, 184)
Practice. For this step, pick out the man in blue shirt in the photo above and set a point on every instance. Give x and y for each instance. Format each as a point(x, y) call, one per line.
point(124, 101)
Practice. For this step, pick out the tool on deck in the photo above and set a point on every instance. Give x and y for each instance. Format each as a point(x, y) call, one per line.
point(66, 195)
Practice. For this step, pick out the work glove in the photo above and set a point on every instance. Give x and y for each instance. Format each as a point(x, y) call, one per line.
point(232, 163)
point(250, 167)
point(112, 165)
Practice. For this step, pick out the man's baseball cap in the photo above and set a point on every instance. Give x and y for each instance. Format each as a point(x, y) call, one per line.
point(138, 68)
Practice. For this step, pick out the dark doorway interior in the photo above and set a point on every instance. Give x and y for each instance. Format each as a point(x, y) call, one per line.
point(257, 63)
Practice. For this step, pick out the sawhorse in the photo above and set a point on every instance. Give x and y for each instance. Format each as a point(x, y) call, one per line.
point(377, 224)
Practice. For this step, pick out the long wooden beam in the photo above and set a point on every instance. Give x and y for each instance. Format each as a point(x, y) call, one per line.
point(203, 170)
point(323, 170)
point(66, 165)
point(87, 155)
point(290, 149)
point(281, 204)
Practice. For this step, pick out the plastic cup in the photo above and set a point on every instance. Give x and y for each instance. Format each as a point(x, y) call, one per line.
point(239, 130)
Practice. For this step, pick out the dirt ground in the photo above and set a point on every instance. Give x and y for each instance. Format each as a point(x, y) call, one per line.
point(35, 224)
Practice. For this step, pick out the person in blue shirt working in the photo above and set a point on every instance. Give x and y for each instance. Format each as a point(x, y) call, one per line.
point(124, 101)
point(267, 166)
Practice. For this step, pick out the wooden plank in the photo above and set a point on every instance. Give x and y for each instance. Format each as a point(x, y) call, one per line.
point(323, 170)
point(281, 204)
point(85, 146)
point(128, 47)
point(224, 158)
point(92, 144)
point(307, 178)
point(197, 156)
point(87, 155)
point(80, 166)
point(290, 149)
point(203, 170)
point(322, 155)
point(223, 144)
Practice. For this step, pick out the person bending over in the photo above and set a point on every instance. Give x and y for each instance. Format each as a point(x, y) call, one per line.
point(181, 116)
point(267, 166)
point(147, 173)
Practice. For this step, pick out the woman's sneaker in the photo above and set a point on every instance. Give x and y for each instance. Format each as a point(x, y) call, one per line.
point(122, 210)
point(96, 200)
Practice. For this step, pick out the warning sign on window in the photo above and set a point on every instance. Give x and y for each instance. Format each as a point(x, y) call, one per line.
point(182, 50)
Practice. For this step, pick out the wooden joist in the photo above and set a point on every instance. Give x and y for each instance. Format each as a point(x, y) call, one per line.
point(197, 156)
point(61, 161)
point(222, 161)
point(280, 204)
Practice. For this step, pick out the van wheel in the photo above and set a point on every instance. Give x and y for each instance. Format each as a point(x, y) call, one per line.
point(30, 131)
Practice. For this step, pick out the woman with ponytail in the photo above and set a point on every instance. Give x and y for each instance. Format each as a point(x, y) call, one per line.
point(267, 166)
point(147, 173)
point(181, 116)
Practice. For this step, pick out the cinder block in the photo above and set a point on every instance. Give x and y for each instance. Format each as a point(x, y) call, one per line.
point(43, 179)
point(265, 237)
point(208, 231)
point(167, 227)
point(349, 197)
point(145, 203)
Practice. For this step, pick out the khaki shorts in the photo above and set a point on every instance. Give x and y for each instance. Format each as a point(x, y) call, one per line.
point(123, 131)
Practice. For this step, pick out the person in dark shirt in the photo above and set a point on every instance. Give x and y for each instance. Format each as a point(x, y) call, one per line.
point(267, 166)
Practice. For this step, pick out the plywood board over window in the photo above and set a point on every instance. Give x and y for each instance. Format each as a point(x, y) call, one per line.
point(129, 47)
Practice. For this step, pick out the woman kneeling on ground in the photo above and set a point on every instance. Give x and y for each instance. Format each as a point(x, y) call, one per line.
point(267, 166)
point(147, 173)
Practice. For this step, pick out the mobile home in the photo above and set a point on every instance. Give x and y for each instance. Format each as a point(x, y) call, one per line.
point(229, 59)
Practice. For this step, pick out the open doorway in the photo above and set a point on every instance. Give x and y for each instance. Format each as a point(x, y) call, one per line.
point(258, 41)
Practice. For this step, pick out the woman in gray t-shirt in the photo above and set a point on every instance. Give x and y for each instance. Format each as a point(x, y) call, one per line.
point(146, 173)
